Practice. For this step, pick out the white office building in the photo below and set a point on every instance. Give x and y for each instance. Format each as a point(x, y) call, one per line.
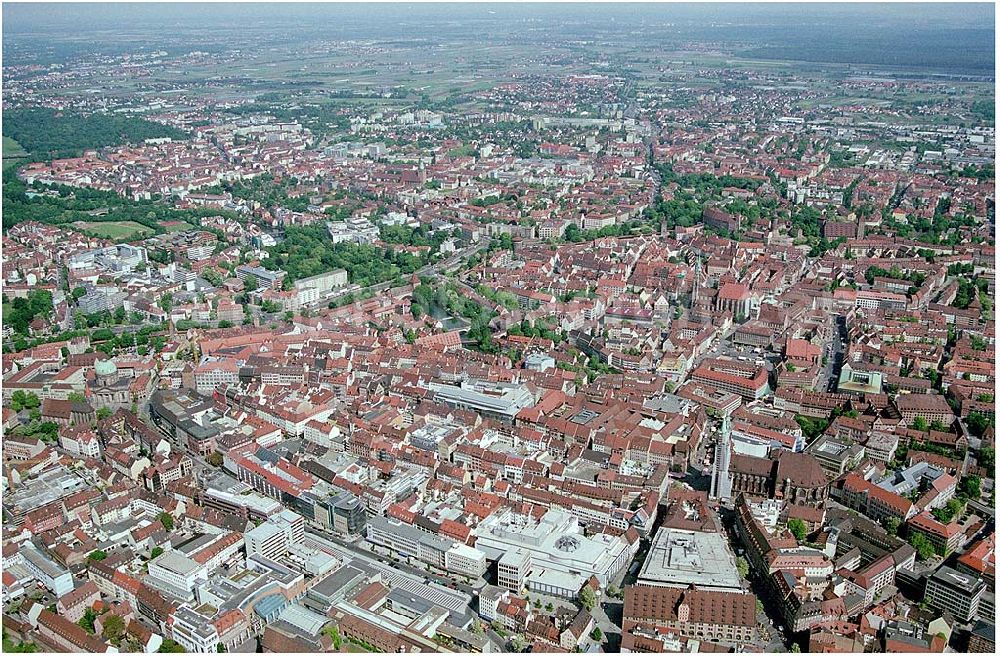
point(536, 553)
point(273, 538)
point(176, 574)
point(194, 631)
point(438, 551)
point(47, 572)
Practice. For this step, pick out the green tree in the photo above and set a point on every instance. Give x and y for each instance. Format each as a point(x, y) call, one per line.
point(97, 555)
point(587, 598)
point(114, 628)
point(87, 621)
point(798, 529)
point(922, 545)
point(970, 487)
point(103, 412)
point(169, 646)
point(49, 133)
point(920, 424)
point(892, 525)
point(155, 552)
point(978, 422)
point(102, 335)
point(986, 458)
point(167, 520)
point(10, 647)
point(21, 311)
point(21, 400)
point(742, 567)
point(596, 634)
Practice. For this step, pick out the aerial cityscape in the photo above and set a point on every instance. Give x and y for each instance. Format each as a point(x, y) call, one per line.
point(494, 328)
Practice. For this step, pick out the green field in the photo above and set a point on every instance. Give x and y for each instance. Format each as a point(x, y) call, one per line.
point(13, 153)
point(176, 226)
point(114, 229)
point(12, 149)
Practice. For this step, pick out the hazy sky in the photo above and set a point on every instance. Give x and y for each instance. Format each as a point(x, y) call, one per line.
point(948, 36)
point(60, 16)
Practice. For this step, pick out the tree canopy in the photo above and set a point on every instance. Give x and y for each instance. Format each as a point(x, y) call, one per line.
point(308, 251)
point(47, 133)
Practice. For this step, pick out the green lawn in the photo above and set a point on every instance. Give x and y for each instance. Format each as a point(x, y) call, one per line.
point(13, 153)
point(12, 149)
point(114, 229)
point(176, 226)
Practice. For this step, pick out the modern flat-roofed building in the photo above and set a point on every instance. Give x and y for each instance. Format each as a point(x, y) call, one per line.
point(501, 401)
point(118, 259)
point(50, 486)
point(267, 540)
point(334, 587)
point(48, 573)
point(522, 545)
point(314, 288)
point(176, 574)
point(934, 485)
point(240, 500)
point(264, 278)
point(435, 550)
point(957, 593)
point(348, 515)
point(859, 382)
point(465, 560)
point(512, 568)
point(835, 455)
point(679, 558)
point(194, 631)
